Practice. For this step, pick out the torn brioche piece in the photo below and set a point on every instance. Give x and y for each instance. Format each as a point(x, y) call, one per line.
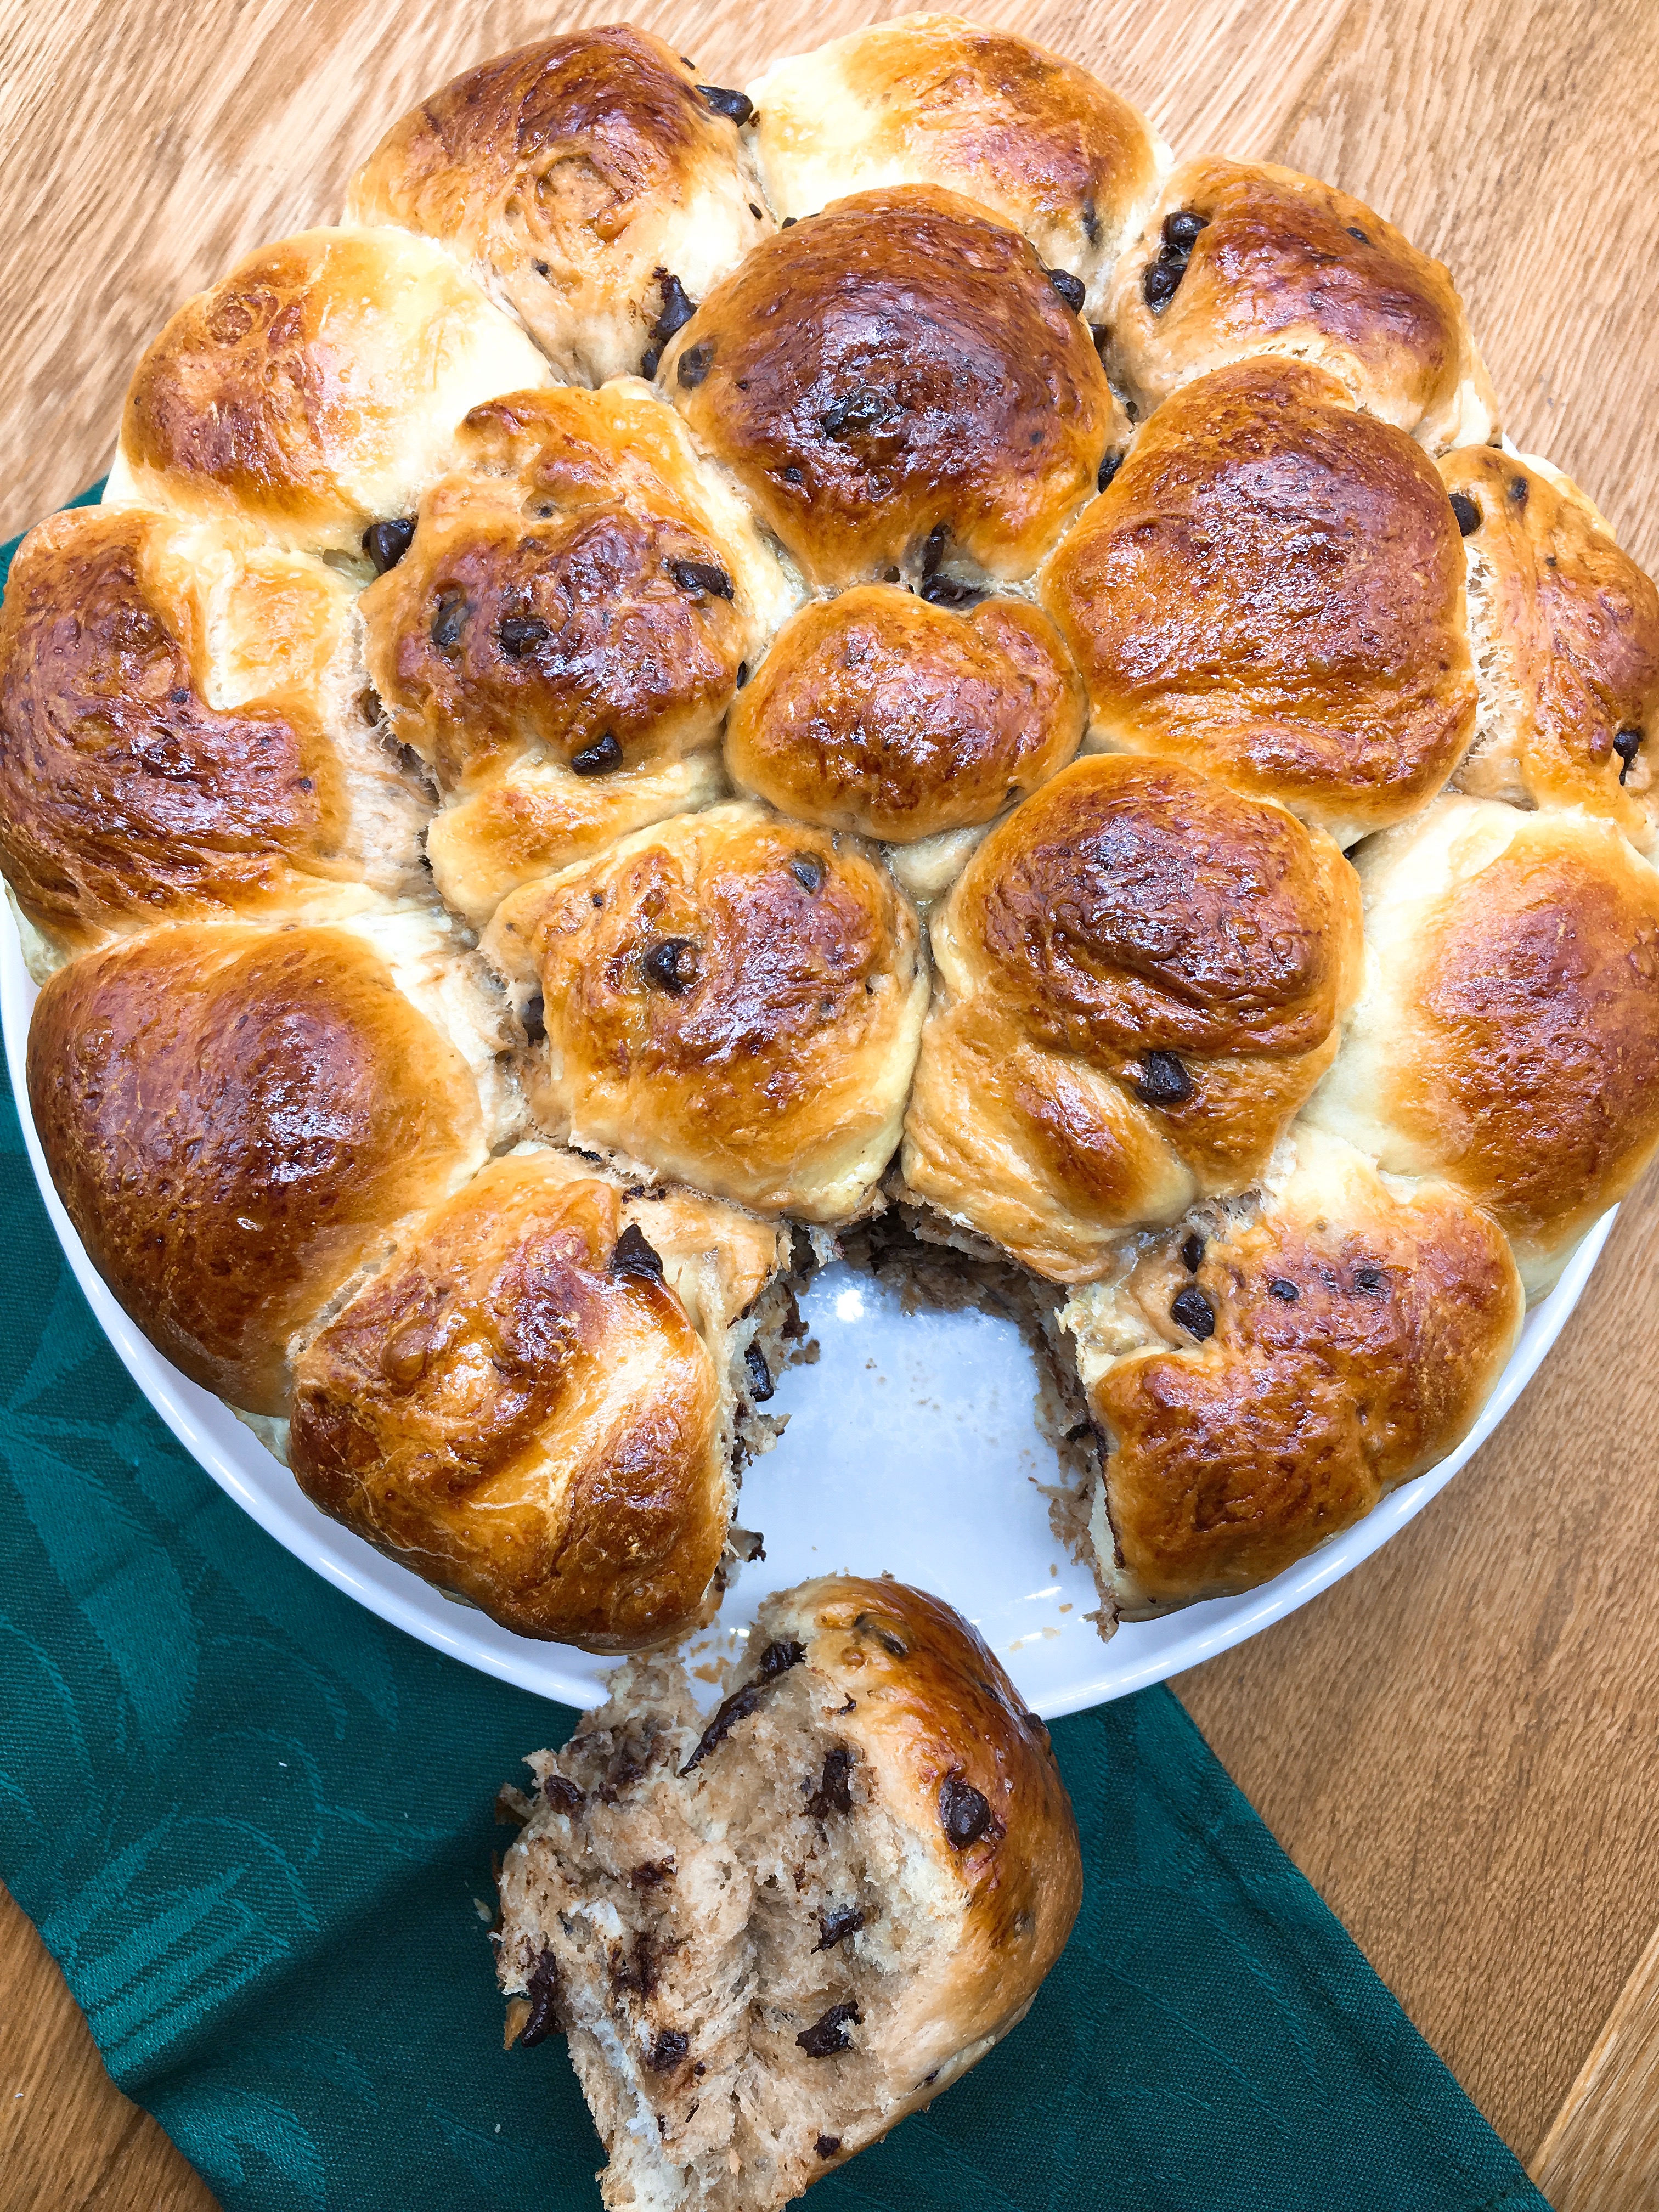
point(771, 1933)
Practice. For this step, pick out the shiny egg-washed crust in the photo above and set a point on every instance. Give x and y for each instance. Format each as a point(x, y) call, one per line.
point(1271, 589)
point(879, 714)
point(1566, 628)
point(933, 99)
point(572, 177)
point(316, 387)
point(936, 1708)
point(1140, 980)
point(730, 999)
point(237, 1119)
point(1356, 1330)
point(184, 732)
point(531, 1418)
point(581, 584)
point(898, 365)
point(1507, 1036)
point(1289, 266)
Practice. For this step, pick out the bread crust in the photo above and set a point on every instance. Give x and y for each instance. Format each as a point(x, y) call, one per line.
point(897, 365)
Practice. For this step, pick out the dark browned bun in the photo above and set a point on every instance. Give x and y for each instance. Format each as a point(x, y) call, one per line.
point(877, 713)
point(181, 733)
point(1272, 588)
point(1141, 978)
point(1507, 1034)
point(236, 1119)
point(521, 1410)
point(316, 387)
point(580, 178)
point(1241, 258)
point(731, 999)
point(896, 381)
point(935, 99)
point(1566, 629)
point(933, 1717)
point(1289, 1363)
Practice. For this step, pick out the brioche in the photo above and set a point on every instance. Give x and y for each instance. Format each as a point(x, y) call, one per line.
point(770, 1934)
point(708, 667)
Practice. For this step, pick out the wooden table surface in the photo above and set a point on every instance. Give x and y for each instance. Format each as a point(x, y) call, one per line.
point(1456, 1744)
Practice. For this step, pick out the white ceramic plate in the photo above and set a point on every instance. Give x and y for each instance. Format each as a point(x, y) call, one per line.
point(912, 1446)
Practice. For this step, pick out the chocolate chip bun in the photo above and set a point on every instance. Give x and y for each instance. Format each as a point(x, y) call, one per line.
point(589, 182)
point(713, 672)
point(1271, 587)
point(1140, 980)
point(897, 382)
point(1241, 258)
point(935, 99)
point(315, 390)
point(770, 1934)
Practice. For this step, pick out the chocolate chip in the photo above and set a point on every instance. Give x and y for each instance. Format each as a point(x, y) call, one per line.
point(638, 1971)
point(1109, 466)
point(651, 1873)
point(449, 621)
point(521, 634)
point(535, 1018)
point(1160, 283)
point(636, 1256)
point(743, 674)
point(1467, 513)
point(828, 2034)
point(789, 223)
point(837, 1924)
point(1192, 1252)
point(1518, 490)
point(792, 474)
point(703, 577)
point(965, 1813)
point(1069, 287)
point(779, 1657)
point(387, 542)
point(754, 210)
point(1279, 1288)
point(545, 2017)
point(736, 107)
point(1180, 229)
point(1627, 743)
point(761, 1385)
point(668, 2051)
point(932, 550)
point(649, 359)
point(1354, 231)
point(832, 1794)
point(678, 307)
point(859, 411)
point(951, 592)
point(1193, 1311)
point(599, 758)
point(1163, 1081)
point(827, 2145)
point(693, 364)
point(1091, 223)
point(671, 964)
point(1369, 1278)
point(563, 1793)
point(807, 870)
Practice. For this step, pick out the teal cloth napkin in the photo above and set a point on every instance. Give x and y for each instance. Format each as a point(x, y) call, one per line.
point(254, 1827)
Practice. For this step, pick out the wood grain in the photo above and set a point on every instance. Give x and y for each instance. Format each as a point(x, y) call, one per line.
point(1456, 1744)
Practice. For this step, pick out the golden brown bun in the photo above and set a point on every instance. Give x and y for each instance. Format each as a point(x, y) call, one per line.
point(877, 713)
point(1272, 588)
point(236, 1119)
point(1507, 1036)
point(1140, 976)
point(931, 1705)
point(522, 1410)
point(898, 366)
point(1286, 265)
point(729, 1000)
point(935, 99)
point(566, 630)
point(1335, 1337)
point(571, 177)
point(185, 730)
point(316, 388)
point(1567, 635)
